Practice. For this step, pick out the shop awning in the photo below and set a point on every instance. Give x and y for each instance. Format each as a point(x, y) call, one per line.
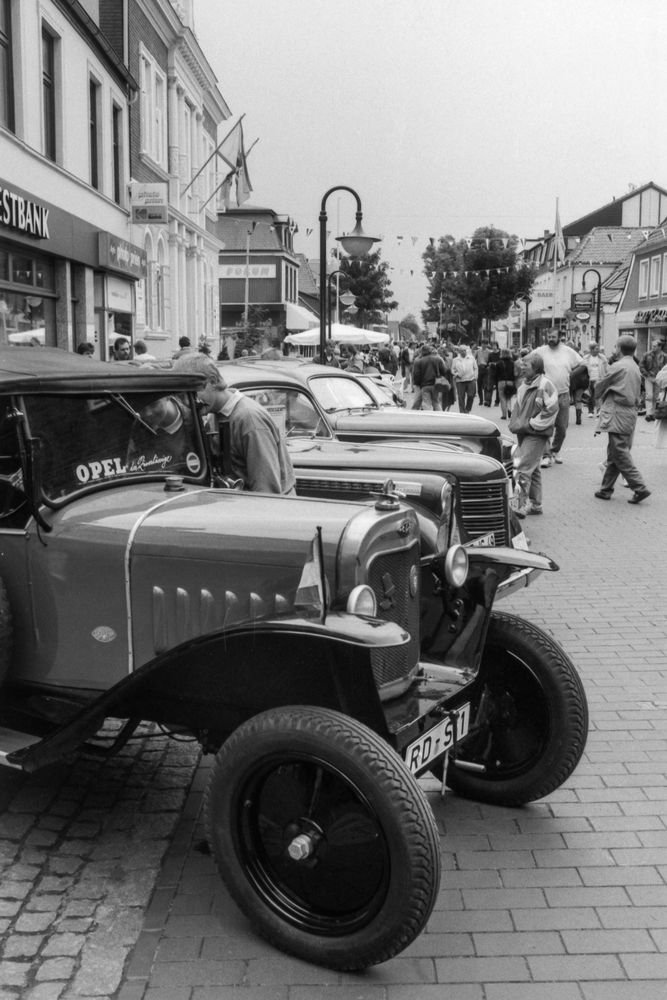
point(298, 318)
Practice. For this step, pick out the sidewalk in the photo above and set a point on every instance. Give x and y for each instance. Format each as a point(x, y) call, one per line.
point(563, 899)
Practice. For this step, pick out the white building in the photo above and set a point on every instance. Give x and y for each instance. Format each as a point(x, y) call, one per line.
point(67, 267)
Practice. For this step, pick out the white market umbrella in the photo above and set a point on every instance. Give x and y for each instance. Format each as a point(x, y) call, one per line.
point(343, 333)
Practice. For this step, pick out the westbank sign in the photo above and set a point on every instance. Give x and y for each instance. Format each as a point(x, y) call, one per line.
point(17, 212)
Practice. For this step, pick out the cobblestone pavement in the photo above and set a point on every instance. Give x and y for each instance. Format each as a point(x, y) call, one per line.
point(107, 890)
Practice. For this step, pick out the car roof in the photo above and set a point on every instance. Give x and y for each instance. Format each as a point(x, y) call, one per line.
point(51, 370)
point(296, 371)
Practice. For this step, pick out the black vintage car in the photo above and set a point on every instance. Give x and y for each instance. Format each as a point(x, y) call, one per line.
point(290, 637)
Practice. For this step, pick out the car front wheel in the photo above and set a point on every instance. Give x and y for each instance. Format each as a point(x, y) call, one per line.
point(529, 718)
point(324, 839)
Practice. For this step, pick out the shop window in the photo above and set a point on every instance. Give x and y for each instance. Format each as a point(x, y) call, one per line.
point(4, 265)
point(27, 300)
point(6, 67)
point(664, 274)
point(643, 279)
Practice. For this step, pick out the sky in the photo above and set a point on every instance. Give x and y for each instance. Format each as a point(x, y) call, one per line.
point(443, 115)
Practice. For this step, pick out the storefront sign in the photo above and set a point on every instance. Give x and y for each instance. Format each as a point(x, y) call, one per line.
point(119, 255)
point(119, 295)
point(29, 217)
point(149, 203)
point(646, 316)
point(253, 271)
point(583, 301)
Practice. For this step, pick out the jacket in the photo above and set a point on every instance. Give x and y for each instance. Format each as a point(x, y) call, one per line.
point(427, 369)
point(619, 393)
point(536, 408)
point(652, 362)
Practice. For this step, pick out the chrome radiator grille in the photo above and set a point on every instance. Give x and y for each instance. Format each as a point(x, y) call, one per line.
point(389, 576)
point(484, 508)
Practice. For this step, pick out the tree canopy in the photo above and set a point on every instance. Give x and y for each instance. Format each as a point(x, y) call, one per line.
point(474, 279)
point(367, 279)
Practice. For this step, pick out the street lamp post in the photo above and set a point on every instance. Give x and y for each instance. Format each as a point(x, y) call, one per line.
point(597, 304)
point(357, 243)
point(527, 299)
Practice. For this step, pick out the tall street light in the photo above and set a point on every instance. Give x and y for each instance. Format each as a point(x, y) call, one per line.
point(597, 305)
point(356, 243)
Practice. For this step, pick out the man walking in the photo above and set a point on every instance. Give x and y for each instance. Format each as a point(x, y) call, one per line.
point(464, 370)
point(532, 420)
point(619, 392)
point(559, 361)
point(428, 367)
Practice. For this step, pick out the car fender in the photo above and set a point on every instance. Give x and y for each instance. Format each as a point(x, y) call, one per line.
point(211, 684)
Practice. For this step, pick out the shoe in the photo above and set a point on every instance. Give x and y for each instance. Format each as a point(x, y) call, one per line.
point(503, 418)
point(639, 496)
point(591, 415)
point(546, 462)
point(603, 496)
point(534, 510)
point(521, 512)
point(557, 459)
point(649, 418)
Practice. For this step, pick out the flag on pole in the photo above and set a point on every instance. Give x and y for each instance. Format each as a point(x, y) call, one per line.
point(559, 242)
point(231, 146)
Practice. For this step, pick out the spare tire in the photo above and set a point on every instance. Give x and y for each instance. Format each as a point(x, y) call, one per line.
point(5, 632)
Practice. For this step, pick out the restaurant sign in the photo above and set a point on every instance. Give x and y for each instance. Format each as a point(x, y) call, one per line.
point(646, 316)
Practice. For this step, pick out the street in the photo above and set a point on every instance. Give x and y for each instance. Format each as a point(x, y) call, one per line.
point(108, 889)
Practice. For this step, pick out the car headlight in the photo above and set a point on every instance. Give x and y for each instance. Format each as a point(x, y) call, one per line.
point(362, 601)
point(456, 566)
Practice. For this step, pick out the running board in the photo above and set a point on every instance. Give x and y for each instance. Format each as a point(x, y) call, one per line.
point(12, 740)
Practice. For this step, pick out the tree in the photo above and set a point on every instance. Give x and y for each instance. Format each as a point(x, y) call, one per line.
point(367, 279)
point(474, 279)
point(410, 324)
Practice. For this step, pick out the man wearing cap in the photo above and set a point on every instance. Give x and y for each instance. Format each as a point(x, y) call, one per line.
point(619, 393)
point(248, 441)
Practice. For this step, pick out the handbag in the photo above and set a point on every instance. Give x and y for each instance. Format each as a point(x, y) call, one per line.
point(660, 407)
point(509, 389)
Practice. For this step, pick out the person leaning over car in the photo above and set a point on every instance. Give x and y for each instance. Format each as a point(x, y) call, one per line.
point(249, 442)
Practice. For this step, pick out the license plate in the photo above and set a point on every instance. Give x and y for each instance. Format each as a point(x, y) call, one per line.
point(485, 541)
point(520, 541)
point(439, 740)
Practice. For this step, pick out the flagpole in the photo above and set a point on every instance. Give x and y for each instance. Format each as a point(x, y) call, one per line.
point(231, 173)
point(553, 305)
point(206, 162)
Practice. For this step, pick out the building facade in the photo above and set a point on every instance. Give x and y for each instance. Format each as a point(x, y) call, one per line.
point(68, 268)
point(642, 309)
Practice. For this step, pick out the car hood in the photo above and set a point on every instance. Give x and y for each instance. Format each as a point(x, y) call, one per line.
point(391, 459)
point(402, 423)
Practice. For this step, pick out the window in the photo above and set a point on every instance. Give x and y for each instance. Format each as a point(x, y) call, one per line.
point(292, 411)
point(664, 274)
point(643, 279)
point(116, 152)
point(153, 111)
point(655, 276)
point(93, 131)
point(49, 94)
point(6, 68)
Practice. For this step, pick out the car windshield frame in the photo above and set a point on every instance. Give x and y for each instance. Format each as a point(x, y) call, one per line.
point(118, 439)
point(337, 392)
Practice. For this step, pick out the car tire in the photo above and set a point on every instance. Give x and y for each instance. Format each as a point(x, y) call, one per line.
point(6, 633)
point(529, 718)
point(315, 780)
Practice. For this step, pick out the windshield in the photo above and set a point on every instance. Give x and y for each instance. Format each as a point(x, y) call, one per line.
point(89, 440)
point(382, 393)
point(334, 392)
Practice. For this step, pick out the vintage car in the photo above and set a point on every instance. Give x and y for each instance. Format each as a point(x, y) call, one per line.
point(283, 634)
point(329, 466)
point(363, 408)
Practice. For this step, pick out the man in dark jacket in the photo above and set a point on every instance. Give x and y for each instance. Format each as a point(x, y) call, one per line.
point(428, 367)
